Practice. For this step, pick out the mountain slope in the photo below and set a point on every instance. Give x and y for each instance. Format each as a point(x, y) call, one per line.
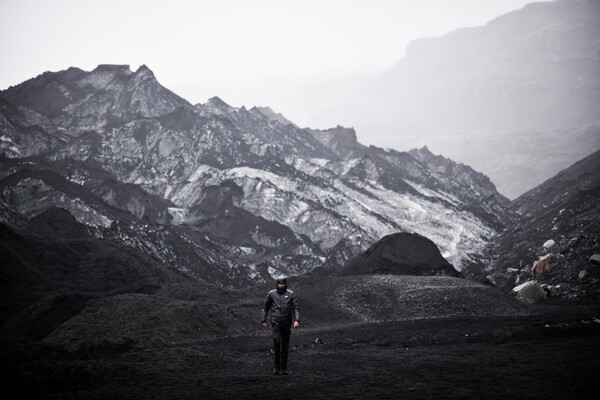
point(556, 235)
point(141, 149)
point(516, 98)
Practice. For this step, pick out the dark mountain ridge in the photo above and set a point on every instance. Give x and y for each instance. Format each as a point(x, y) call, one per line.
point(140, 148)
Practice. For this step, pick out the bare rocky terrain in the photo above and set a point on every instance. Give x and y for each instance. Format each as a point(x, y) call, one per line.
point(140, 234)
point(361, 336)
point(89, 318)
point(549, 351)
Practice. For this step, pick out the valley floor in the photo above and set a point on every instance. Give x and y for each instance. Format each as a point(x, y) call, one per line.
point(554, 353)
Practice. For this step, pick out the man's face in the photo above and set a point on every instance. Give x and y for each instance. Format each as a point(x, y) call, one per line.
point(280, 285)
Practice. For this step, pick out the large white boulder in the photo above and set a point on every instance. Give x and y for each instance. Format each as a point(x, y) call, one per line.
point(530, 292)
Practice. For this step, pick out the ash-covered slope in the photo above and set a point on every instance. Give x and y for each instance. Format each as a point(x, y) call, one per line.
point(556, 235)
point(400, 254)
point(302, 197)
point(374, 298)
point(97, 295)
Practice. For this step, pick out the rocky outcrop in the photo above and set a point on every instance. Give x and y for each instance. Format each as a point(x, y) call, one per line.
point(529, 292)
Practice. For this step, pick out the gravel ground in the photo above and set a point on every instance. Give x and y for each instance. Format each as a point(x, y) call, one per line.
point(554, 352)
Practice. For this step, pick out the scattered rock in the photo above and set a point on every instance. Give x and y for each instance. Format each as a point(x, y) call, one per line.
point(545, 263)
point(553, 290)
point(548, 243)
point(541, 266)
point(574, 241)
point(530, 292)
point(595, 259)
point(583, 274)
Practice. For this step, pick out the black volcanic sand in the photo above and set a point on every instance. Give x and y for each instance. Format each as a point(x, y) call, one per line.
point(554, 352)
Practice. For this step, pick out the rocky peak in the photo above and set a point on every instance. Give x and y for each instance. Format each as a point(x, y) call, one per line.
point(45, 94)
point(423, 154)
point(218, 103)
point(259, 114)
point(143, 73)
point(144, 69)
point(460, 173)
point(273, 116)
point(72, 74)
point(103, 75)
point(113, 68)
point(215, 106)
point(340, 139)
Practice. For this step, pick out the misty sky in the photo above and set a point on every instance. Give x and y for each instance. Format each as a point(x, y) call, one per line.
point(275, 53)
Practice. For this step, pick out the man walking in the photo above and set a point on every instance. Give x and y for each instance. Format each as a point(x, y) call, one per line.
point(284, 309)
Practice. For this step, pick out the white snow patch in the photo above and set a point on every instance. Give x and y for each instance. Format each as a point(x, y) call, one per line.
point(179, 214)
point(7, 143)
point(168, 191)
point(141, 180)
point(246, 250)
point(88, 216)
point(273, 272)
point(348, 165)
point(431, 193)
point(7, 139)
point(199, 172)
point(321, 162)
point(277, 180)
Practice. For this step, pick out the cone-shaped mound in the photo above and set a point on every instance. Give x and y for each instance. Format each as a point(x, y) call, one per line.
point(400, 254)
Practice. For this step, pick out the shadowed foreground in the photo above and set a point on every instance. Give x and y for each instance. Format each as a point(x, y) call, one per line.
point(554, 353)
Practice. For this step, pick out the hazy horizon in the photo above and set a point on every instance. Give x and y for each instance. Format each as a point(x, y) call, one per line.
point(288, 56)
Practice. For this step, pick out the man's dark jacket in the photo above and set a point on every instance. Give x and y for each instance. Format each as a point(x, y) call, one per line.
point(284, 307)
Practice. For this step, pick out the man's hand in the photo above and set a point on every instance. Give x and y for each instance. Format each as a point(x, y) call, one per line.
point(296, 324)
point(264, 325)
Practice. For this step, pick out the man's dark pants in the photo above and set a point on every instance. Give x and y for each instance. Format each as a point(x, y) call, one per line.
point(281, 343)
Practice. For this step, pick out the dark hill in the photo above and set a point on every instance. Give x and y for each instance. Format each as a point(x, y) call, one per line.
point(57, 222)
point(100, 292)
point(400, 254)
